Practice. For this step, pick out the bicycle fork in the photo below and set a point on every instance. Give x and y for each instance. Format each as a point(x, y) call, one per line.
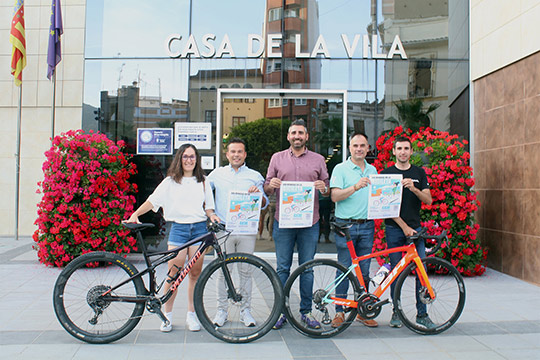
point(231, 291)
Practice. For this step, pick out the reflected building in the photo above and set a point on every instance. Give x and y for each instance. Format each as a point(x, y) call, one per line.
point(202, 94)
point(294, 20)
point(423, 29)
point(120, 115)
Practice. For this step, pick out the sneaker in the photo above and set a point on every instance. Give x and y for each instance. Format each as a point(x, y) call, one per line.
point(166, 327)
point(192, 322)
point(310, 321)
point(338, 319)
point(246, 318)
point(425, 321)
point(221, 318)
point(395, 322)
point(279, 324)
point(367, 322)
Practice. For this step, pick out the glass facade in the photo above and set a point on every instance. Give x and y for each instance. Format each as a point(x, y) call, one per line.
point(154, 64)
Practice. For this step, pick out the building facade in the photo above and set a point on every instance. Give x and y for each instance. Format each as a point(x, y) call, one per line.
point(505, 71)
point(130, 64)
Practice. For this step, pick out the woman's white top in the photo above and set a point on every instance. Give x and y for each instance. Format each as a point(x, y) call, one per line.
point(182, 203)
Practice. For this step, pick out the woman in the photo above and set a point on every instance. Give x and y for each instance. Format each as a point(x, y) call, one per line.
point(186, 201)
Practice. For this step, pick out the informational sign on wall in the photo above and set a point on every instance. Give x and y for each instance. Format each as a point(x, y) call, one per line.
point(207, 162)
point(154, 141)
point(196, 133)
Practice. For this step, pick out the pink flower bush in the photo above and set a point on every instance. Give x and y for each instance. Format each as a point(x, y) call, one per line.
point(86, 194)
point(450, 178)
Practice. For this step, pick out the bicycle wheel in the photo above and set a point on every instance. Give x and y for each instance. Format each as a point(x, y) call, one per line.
point(260, 293)
point(319, 276)
point(78, 306)
point(449, 300)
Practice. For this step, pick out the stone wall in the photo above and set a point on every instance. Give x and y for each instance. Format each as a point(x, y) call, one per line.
point(507, 166)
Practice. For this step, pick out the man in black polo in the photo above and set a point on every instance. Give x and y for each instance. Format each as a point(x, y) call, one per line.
point(415, 192)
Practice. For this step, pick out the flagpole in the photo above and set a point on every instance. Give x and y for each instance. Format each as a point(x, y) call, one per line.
point(53, 107)
point(18, 163)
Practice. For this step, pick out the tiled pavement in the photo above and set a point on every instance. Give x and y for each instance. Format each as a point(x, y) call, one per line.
point(501, 320)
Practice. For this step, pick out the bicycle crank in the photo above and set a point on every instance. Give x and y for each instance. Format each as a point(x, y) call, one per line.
point(369, 306)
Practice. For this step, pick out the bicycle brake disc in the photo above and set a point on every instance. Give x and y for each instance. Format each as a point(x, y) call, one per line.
point(423, 295)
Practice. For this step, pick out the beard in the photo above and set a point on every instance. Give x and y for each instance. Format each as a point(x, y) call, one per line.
point(298, 144)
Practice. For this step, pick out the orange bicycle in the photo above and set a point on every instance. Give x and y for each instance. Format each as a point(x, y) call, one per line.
point(441, 289)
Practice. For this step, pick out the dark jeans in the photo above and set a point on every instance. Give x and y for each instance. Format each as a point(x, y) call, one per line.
point(306, 245)
point(395, 238)
point(362, 238)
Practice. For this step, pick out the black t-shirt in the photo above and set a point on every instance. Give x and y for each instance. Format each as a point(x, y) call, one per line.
point(410, 203)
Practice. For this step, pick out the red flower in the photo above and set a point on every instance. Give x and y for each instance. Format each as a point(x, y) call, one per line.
point(454, 203)
point(86, 193)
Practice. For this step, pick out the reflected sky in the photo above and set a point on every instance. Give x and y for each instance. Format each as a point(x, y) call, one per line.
point(125, 43)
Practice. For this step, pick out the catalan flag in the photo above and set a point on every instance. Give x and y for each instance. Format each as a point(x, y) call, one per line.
point(17, 38)
point(54, 54)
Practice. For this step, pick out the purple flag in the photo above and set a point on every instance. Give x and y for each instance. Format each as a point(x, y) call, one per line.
point(54, 54)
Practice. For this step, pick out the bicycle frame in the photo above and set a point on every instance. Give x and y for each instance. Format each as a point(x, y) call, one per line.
point(411, 255)
point(208, 240)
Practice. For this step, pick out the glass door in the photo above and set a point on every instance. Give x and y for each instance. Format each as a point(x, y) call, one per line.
point(261, 117)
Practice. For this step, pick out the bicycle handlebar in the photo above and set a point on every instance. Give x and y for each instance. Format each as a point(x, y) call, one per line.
point(422, 234)
point(215, 227)
point(138, 226)
point(211, 226)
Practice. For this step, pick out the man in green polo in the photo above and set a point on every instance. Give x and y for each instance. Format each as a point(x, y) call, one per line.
point(349, 190)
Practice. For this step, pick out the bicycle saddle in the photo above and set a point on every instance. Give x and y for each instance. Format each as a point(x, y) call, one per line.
point(138, 227)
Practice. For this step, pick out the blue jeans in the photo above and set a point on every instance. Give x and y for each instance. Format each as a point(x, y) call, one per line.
point(395, 238)
point(362, 238)
point(182, 233)
point(306, 245)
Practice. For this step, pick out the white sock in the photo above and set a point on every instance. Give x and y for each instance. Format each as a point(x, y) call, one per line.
point(168, 315)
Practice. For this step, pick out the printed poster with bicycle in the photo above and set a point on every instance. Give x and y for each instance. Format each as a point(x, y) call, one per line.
point(244, 212)
point(384, 196)
point(296, 204)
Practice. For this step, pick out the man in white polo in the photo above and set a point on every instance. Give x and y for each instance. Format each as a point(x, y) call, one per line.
point(238, 177)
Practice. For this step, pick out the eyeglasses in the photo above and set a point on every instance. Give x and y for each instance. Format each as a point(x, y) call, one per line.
point(189, 157)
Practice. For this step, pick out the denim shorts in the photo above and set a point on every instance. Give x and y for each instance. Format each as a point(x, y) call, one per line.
point(182, 233)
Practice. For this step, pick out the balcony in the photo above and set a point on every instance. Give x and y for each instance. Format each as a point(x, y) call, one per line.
point(293, 23)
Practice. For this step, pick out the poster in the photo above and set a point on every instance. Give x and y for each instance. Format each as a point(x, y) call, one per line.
point(296, 204)
point(196, 133)
point(385, 193)
point(244, 212)
point(154, 141)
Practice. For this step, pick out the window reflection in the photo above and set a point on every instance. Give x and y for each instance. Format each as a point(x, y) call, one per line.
point(130, 82)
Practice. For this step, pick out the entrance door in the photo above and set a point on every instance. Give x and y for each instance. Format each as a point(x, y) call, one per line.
point(262, 118)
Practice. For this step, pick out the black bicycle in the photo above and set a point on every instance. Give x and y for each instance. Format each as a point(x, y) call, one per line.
point(100, 297)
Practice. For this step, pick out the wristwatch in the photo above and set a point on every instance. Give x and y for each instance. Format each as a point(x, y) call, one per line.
point(325, 190)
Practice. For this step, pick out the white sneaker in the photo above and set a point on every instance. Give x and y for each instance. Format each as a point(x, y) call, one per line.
point(164, 326)
point(192, 322)
point(221, 318)
point(246, 318)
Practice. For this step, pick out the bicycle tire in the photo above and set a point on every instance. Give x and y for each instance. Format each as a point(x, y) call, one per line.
point(77, 287)
point(324, 274)
point(266, 297)
point(448, 305)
